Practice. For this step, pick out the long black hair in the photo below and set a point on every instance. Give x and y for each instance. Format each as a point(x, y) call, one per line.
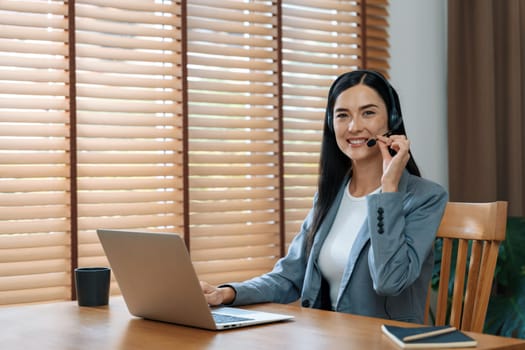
point(334, 165)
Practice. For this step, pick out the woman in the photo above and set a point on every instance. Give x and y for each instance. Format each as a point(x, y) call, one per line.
point(366, 246)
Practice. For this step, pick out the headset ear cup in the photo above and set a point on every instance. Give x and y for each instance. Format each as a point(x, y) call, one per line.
point(393, 120)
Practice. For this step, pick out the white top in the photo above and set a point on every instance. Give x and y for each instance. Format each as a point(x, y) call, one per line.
point(334, 253)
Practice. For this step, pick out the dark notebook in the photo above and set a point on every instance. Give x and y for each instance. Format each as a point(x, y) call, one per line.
point(454, 339)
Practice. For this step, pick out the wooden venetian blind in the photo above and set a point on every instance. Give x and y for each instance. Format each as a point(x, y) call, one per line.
point(106, 148)
point(128, 119)
point(34, 213)
point(233, 138)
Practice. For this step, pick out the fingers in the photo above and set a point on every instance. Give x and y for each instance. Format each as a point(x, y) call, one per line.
point(393, 166)
point(212, 294)
point(384, 144)
point(206, 287)
point(395, 142)
point(398, 143)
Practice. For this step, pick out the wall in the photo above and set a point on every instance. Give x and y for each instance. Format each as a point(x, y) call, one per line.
point(418, 48)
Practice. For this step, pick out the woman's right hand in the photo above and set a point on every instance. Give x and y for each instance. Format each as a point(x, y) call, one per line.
point(393, 166)
point(217, 295)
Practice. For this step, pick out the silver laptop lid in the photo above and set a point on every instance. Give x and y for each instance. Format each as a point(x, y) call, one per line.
point(156, 277)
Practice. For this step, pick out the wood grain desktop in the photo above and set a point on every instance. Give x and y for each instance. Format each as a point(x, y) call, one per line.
point(65, 325)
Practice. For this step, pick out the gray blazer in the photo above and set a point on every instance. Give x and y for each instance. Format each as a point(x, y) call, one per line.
point(390, 263)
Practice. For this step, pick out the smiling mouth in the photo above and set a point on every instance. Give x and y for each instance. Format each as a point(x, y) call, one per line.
point(356, 142)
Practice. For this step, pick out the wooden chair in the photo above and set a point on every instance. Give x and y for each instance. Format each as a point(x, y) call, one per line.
point(482, 225)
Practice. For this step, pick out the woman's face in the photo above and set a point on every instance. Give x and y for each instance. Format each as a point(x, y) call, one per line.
point(359, 115)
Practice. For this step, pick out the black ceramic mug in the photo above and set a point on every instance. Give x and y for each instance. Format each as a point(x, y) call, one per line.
point(92, 284)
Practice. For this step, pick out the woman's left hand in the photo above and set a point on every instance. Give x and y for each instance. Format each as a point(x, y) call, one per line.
point(393, 166)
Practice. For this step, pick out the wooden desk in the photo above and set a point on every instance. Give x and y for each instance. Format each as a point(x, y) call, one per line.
point(64, 325)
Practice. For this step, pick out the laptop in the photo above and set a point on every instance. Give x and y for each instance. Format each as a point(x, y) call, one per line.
point(158, 282)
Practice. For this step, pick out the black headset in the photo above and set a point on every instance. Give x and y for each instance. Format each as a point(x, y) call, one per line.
point(394, 117)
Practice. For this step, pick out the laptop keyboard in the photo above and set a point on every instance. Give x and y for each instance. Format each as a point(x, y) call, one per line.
point(222, 318)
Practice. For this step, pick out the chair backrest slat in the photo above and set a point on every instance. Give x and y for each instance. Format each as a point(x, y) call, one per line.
point(472, 283)
point(459, 283)
point(444, 275)
point(488, 266)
